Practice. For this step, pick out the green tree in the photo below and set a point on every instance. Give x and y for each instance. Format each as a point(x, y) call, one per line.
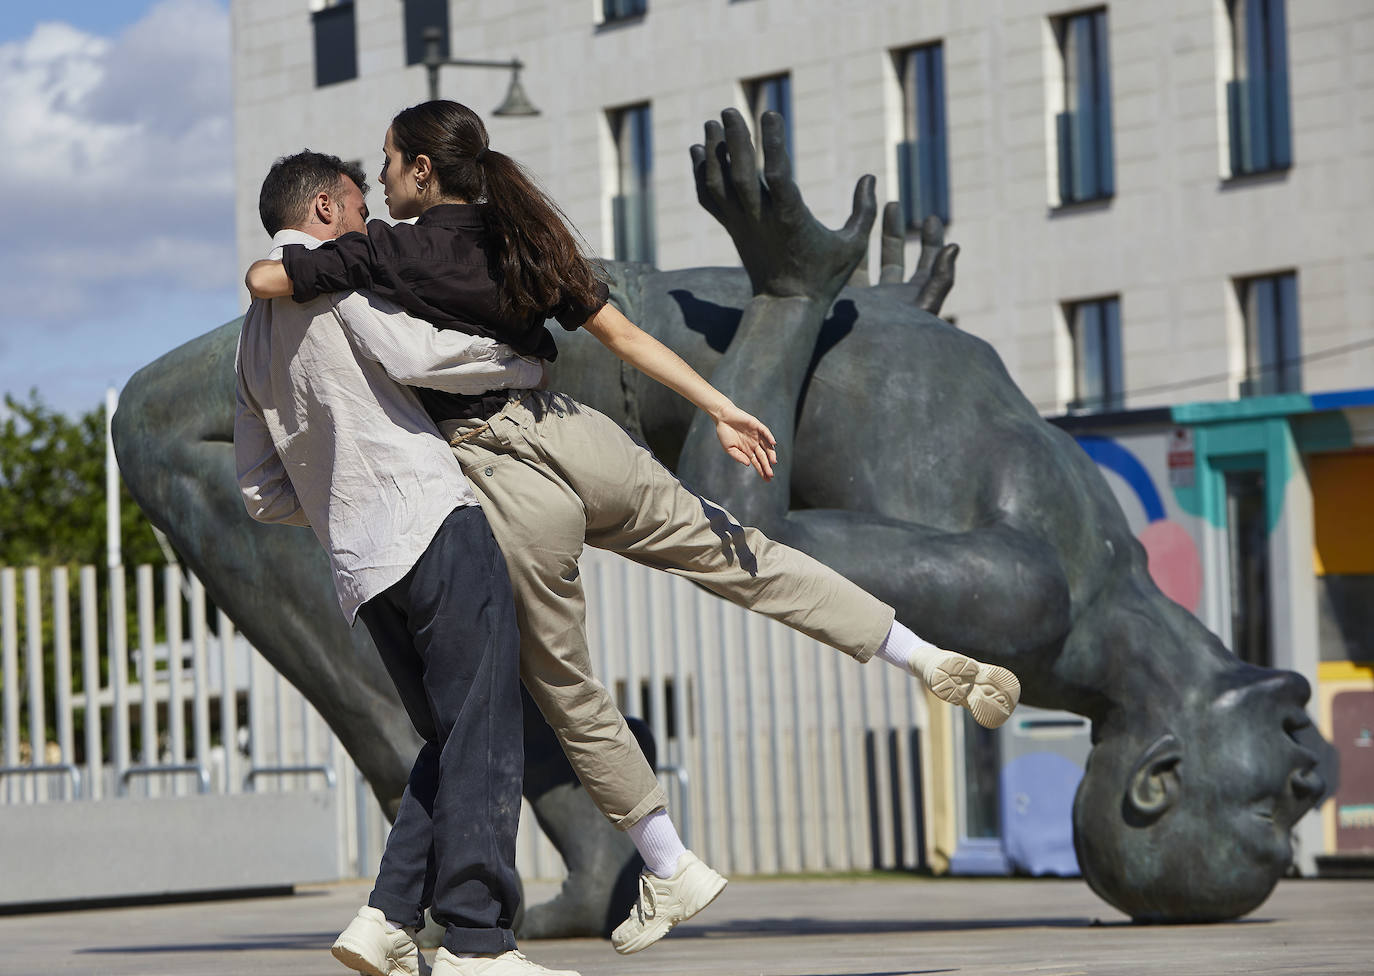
point(52, 491)
point(52, 513)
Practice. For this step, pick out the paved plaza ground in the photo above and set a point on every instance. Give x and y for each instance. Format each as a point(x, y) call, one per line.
point(878, 926)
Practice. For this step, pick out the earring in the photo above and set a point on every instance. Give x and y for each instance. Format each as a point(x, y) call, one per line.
point(419, 186)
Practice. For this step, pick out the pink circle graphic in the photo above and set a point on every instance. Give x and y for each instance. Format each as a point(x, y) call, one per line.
point(1175, 565)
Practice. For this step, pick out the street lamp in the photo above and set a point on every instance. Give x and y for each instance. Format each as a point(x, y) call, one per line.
point(516, 102)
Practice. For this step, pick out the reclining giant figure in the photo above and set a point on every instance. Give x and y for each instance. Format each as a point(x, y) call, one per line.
point(910, 462)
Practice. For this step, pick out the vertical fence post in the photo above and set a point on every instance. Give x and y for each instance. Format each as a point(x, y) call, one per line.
point(62, 665)
point(119, 672)
point(9, 609)
point(200, 708)
point(90, 675)
point(176, 713)
point(33, 664)
point(147, 624)
point(228, 702)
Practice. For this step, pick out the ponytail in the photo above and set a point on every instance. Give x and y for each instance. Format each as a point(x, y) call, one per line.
point(535, 257)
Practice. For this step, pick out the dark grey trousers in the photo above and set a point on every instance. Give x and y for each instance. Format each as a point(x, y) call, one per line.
point(447, 635)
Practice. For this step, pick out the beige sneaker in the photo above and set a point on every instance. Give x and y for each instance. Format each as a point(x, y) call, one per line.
point(371, 946)
point(511, 963)
point(987, 691)
point(663, 902)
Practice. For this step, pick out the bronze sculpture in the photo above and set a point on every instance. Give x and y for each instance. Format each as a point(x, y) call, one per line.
point(910, 462)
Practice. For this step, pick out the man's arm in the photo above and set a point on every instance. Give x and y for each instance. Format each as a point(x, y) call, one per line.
point(415, 353)
point(264, 484)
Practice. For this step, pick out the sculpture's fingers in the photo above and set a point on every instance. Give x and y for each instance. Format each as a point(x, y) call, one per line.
point(705, 196)
point(893, 246)
point(932, 242)
point(777, 164)
point(714, 161)
point(865, 209)
point(932, 294)
point(743, 175)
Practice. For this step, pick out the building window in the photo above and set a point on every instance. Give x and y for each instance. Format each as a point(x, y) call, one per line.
point(420, 15)
point(336, 41)
point(1257, 94)
point(772, 95)
point(1084, 128)
point(633, 205)
point(1270, 308)
point(622, 9)
point(922, 155)
point(1095, 330)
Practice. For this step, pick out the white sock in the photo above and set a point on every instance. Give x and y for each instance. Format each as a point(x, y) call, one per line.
point(907, 651)
point(657, 841)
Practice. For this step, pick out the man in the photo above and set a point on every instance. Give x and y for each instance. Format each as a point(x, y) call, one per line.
point(326, 435)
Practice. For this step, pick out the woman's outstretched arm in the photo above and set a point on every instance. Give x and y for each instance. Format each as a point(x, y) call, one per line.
point(743, 436)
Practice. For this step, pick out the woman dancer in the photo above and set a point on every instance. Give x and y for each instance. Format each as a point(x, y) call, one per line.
point(491, 254)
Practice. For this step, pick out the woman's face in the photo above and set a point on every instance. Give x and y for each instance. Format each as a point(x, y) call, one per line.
point(398, 181)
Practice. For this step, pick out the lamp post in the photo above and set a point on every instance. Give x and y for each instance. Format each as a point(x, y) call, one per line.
point(516, 101)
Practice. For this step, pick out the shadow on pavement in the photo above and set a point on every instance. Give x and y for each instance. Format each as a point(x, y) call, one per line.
point(313, 941)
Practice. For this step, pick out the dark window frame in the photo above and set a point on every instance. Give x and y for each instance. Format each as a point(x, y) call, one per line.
point(1095, 334)
point(1258, 104)
point(632, 207)
point(1083, 130)
point(336, 42)
point(420, 14)
point(614, 11)
point(1273, 340)
point(923, 153)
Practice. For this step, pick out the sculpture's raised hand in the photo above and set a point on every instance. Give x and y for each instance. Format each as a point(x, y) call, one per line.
point(787, 251)
point(934, 275)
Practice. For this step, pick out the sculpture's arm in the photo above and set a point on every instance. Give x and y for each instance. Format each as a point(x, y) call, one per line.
point(267, 491)
point(796, 267)
point(744, 437)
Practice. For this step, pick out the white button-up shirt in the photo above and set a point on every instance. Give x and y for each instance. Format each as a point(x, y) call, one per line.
point(328, 434)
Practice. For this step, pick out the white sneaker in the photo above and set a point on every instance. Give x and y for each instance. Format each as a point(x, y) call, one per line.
point(663, 902)
point(990, 693)
point(371, 946)
point(510, 963)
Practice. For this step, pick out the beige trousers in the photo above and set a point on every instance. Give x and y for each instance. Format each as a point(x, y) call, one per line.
point(551, 474)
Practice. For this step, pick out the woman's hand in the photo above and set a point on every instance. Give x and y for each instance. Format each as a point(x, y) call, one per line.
point(267, 279)
point(747, 440)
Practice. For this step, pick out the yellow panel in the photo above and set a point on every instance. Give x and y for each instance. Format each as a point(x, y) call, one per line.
point(1343, 512)
point(1345, 671)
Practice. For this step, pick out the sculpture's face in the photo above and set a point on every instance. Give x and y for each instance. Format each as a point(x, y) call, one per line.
point(1193, 824)
point(1249, 772)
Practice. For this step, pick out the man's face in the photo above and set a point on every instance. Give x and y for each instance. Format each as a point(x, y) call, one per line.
point(353, 209)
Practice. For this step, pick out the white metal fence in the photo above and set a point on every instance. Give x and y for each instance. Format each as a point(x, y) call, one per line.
point(780, 755)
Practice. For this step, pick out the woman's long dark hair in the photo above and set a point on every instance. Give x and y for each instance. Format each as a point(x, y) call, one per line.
point(535, 256)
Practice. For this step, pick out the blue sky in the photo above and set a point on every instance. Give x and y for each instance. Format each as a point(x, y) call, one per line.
point(117, 135)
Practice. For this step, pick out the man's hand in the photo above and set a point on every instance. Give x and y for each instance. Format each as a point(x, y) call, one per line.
point(747, 440)
point(787, 252)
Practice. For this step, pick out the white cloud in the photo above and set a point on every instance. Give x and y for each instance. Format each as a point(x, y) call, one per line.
point(119, 162)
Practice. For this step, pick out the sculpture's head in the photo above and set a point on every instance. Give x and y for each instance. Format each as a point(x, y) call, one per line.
point(1190, 822)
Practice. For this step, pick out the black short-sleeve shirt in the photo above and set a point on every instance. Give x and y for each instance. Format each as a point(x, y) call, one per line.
point(436, 269)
